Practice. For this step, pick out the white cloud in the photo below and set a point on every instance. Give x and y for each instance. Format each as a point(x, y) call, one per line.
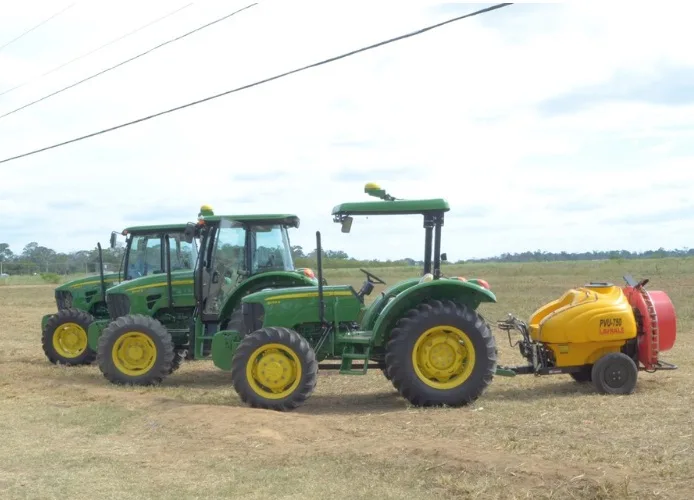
point(452, 113)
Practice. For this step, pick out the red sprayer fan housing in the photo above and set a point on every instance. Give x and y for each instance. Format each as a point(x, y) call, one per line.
point(658, 328)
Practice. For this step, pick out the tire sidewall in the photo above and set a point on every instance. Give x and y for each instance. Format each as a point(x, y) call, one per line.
point(297, 344)
point(109, 338)
point(604, 364)
point(413, 332)
point(77, 316)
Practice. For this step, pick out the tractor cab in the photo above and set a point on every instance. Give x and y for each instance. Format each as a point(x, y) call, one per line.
point(239, 254)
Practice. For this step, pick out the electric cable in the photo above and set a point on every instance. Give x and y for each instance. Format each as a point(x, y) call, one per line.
point(96, 50)
point(128, 60)
point(260, 82)
point(40, 24)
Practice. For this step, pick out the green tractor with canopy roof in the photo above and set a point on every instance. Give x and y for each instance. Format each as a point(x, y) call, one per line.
point(425, 332)
point(153, 326)
point(82, 302)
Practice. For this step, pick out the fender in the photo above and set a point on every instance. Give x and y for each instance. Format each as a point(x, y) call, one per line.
point(371, 314)
point(465, 292)
point(272, 279)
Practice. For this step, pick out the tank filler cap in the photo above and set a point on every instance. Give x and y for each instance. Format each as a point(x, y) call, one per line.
point(599, 284)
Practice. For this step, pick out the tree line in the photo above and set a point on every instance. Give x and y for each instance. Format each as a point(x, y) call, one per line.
point(35, 258)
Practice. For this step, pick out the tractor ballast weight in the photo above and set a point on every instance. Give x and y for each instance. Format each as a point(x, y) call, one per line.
point(151, 330)
point(81, 303)
point(424, 333)
point(598, 333)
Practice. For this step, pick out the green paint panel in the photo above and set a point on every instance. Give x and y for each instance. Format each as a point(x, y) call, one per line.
point(155, 229)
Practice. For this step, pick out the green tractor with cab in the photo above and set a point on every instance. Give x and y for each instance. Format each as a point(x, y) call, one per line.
point(424, 332)
point(154, 326)
point(81, 302)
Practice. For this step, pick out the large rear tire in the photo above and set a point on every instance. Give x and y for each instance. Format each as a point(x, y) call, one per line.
point(64, 338)
point(135, 350)
point(441, 353)
point(275, 369)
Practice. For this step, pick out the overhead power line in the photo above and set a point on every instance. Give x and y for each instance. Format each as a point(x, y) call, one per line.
point(128, 60)
point(40, 24)
point(266, 80)
point(97, 49)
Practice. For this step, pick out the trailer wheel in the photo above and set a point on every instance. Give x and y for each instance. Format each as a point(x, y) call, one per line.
point(615, 373)
point(135, 350)
point(64, 339)
point(441, 353)
point(274, 368)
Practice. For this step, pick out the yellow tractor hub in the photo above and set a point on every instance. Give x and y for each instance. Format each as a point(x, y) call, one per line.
point(443, 357)
point(69, 340)
point(134, 353)
point(273, 371)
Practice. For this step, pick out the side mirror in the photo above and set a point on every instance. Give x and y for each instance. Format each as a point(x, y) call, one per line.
point(113, 239)
point(444, 257)
point(347, 224)
point(189, 233)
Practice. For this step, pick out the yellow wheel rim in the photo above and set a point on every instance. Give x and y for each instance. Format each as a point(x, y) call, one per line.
point(273, 371)
point(69, 340)
point(443, 357)
point(134, 353)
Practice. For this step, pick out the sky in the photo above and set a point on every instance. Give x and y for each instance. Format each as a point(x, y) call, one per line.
point(545, 126)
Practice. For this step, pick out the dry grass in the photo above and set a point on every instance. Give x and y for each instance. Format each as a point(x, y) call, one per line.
point(68, 433)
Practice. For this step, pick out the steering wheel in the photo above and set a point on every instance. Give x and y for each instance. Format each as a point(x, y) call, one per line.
point(375, 279)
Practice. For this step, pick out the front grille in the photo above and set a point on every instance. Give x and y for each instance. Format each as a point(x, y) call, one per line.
point(63, 299)
point(118, 305)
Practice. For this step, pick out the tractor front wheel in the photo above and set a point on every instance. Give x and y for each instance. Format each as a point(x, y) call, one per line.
point(135, 350)
point(64, 339)
point(615, 373)
point(441, 353)
point(274, 368)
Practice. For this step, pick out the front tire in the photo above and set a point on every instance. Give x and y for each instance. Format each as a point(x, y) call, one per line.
point(441, 353)
point(64, 338)
point(274, 368)
point(615, 373)
point(135, 350)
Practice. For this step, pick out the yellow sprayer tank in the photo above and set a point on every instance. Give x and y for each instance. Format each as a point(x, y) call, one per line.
point(584, 323)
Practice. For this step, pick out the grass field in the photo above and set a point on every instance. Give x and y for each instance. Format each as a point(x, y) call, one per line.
point(68, 433)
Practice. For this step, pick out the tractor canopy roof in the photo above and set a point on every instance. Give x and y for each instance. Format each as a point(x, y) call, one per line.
point(290, 220)
point(153, 228)
point(388, 206)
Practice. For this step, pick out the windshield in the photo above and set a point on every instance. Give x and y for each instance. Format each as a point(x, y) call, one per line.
point(270, 249)
point(146, 255)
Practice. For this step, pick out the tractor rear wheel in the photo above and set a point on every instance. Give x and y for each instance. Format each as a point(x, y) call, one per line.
point(135, 350)
point(274, 368)
point(615, 373)
point(441, 353)
point(64, 339)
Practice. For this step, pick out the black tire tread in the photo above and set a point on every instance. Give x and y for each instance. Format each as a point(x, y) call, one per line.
point(82, 318)
point(271, 335)
point(140, 322)
point(403, 377)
